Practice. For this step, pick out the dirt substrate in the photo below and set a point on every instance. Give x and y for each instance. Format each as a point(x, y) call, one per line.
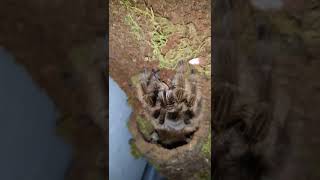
point(127, 58)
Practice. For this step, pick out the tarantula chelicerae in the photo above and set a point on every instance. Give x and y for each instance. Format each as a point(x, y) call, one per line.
point(173, 107)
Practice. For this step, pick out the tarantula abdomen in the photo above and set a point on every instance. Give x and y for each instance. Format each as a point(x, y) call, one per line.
point(173, 108)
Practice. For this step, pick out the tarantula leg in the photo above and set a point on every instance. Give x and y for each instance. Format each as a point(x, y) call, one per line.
point(187, 116)
point(181, 66)
point(194, 93)
point(187, 121)
point(145, 78)
point(162, 87)
point(191, 101)
point(162, 116)
point(178, 82)
point(148, 87)
point(179, 95)
point(156, 113)
point(178, 79)
point(162, 96)
point(148, 99)
point(149, 80)
point(153, 113)
point(170, 98)
point(155, 73)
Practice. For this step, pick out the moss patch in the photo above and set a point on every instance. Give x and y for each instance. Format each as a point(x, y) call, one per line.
point(135, 28)
point(134, 150)
point(170, 42)
point(134, 80)
point(206, 148)
point(144, 126)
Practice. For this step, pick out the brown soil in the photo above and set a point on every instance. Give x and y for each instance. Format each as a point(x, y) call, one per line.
point(126, 60)
point(126, 54)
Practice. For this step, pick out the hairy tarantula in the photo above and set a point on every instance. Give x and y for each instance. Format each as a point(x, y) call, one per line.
point(173, 107)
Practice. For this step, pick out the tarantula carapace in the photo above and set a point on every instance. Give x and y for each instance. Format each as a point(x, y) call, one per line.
point(173, 107)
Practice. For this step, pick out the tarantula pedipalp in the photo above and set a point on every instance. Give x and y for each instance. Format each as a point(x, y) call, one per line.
point(173, 107)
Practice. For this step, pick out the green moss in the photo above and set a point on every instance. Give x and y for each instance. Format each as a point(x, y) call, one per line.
point(135, 80)
point(162, 29)
point(144, 23)
point(134, 150)
point(206, 147)
point(206, 70)
point(145, 127)
point(135, 28)
point(183, 50)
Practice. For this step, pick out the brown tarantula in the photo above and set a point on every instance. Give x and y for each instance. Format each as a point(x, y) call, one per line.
point(174, 107)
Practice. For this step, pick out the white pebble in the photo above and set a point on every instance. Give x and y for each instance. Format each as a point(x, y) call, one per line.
point(194, 61)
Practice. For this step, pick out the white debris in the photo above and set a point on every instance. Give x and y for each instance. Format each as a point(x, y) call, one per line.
point(195, 61)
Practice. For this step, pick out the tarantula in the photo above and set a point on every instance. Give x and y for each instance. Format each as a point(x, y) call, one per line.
point(174, 107)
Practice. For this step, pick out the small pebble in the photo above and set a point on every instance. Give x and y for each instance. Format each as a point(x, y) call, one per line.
point(194, 61)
